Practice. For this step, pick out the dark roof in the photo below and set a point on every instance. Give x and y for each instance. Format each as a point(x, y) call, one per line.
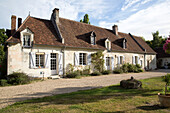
point(77, 34)
point(161, 53)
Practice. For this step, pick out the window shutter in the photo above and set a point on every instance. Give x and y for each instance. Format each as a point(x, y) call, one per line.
point(123, 59)
point(133, 60)
point(105, 63)
point(112, 64)
point(76, 58)
point(32, 60)
point(89, 59)
point(118, 60)
point(138, 60)
point(60, 63)
point(47, 60)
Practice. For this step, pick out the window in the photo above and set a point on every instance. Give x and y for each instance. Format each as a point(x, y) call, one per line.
point(121, 59)
point(92, 40)
point(136, 59)
point(26, 40)
point(107, 61)
point(53, 61)
point(124, 44)
point(108, 45)
point(40, 60)
point(82, 58)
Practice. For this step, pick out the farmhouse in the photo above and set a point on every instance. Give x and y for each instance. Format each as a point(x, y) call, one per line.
point(49, 46)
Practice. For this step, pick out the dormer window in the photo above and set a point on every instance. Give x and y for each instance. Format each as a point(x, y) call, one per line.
point(108, 44)
point(26, 37)
point(93, 38)
point(26, 40)
point(124, 43)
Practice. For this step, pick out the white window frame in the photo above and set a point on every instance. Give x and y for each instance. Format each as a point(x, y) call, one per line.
point(39, 60)
point(138, 59)
point(26, 31)
point(82, 58)
point(108, 44)
point(26, 40)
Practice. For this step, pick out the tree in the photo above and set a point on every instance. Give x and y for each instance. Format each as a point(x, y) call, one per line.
point(157, 41)
point(98, 61)
point(3, 37)
point(85, 19)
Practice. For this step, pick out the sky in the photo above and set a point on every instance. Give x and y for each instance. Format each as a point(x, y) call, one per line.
point(138, 17)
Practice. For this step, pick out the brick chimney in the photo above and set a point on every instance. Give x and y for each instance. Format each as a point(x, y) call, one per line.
point(19, 22)
point(55, 15)
point(115, 29)
point(13, 24)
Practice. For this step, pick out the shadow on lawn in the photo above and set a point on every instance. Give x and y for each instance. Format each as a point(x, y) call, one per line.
point(88, 96)
point(151, 107)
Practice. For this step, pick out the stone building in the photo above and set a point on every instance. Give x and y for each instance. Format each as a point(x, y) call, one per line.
point(49, 46)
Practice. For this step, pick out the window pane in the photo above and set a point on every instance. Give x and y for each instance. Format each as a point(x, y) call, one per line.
point(84, 59)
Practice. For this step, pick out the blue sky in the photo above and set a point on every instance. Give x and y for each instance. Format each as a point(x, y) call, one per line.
point(139, 17)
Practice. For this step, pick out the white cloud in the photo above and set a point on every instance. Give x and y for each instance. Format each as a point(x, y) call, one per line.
point(146, 21)
point(129, 3)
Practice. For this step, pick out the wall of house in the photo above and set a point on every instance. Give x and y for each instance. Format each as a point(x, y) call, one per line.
point(19, 60)
point(150, 62)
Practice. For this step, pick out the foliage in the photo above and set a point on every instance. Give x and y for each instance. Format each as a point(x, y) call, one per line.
point(166, 79)
point(18, 78)
point(125, 68)
point(98, 61)
point(3, 82)
point(85, 19)
point(3, 69)
point(157, 41)
point(118, 71)
point(96, 73)
point(73, 74)
point(106, 72)
point(131, 67)
point(3, 37)
point(166, 46)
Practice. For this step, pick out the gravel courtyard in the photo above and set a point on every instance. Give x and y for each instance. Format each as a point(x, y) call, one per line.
point(12, 94)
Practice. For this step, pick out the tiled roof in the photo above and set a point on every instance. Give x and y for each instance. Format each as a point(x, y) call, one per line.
point(77, 35)
point(161, 53)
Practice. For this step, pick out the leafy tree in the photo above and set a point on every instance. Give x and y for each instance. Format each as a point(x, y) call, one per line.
point(157, 41)
point(85, 19)
point(98, 61)
point(3, 37)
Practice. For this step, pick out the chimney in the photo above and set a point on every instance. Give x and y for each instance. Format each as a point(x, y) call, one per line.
point(55, 15)
point(19, 22)
point(115, 29)
point(13, 24)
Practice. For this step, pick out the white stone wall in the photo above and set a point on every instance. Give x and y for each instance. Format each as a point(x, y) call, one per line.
point(19, 60)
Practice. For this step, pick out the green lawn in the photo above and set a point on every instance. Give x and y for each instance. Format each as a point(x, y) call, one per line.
point(107, 99)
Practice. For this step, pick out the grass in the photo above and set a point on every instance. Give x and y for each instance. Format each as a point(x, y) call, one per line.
point(107, 99)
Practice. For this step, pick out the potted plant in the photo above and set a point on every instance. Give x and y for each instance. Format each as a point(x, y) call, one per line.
point(165, 99)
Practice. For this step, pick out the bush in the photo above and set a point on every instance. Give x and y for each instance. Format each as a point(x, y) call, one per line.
point(3, 82)
point(106, 72)
point(131, 67)
point(17, 78)
point(138, 66)
point(73, 74)
point(140, 70)
point(125, 68)
point(96, 73)
point(85, 72)
point(118, 71)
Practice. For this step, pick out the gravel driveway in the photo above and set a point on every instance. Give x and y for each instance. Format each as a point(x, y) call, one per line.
point(12, 94)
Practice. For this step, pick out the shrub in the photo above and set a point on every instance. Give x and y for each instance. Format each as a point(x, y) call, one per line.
point(85, 72)
point(140, 70)
point(18, 78)
point(138, 66)
point(118, 71)
point(131, 67)
point(136, 69)
point(3, 82)
point(96, 73)
point(106, 72)
point(73, 74)
point(125, 68)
